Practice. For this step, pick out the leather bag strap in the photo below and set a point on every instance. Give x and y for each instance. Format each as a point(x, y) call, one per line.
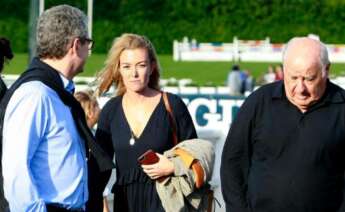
point(171, 117)
point(192, 163)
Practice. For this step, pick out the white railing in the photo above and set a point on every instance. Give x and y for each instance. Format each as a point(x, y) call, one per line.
point(241, 50)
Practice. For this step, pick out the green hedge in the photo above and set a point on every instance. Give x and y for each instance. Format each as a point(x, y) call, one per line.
point(16, 30)
point(205, 20)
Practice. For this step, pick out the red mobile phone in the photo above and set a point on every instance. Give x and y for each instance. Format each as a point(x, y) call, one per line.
point(148, 158)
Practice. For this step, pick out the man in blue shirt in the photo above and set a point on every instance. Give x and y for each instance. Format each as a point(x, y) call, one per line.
point(44, 149)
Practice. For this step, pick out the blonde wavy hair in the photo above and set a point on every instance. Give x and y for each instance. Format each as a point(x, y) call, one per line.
point(87, 101)
point(110, 74)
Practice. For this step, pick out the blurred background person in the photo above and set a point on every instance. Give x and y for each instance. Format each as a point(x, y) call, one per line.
point(133, 122)
point(235, 81)
point(5, 55)
point(249, 82)
point(269, 76)
point(279, 72)
point(92, 110)
point(90, 105)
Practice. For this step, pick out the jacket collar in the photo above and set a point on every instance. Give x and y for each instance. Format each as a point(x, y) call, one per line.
point(48, 71)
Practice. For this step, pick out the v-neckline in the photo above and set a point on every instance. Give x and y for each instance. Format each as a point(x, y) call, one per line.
point(147, 123)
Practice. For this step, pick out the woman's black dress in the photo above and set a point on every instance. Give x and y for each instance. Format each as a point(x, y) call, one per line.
point(134, 190)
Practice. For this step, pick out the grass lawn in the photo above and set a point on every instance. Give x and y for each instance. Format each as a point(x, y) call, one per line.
point(202, 73)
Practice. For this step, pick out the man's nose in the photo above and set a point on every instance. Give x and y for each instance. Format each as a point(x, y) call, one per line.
point(300, 87)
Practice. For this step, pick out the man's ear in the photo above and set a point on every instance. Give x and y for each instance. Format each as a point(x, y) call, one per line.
point(328, 67)
point(75, 45)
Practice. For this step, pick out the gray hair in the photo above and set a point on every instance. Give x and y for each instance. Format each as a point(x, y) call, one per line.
point(324, 60)
point(56, 29)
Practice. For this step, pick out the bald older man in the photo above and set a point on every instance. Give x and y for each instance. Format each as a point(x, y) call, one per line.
point(285, 151)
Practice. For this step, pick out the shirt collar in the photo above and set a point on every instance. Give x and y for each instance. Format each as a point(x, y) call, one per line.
point(278, 90)
point(333, 93)
point(62, 81)
point(67, 84)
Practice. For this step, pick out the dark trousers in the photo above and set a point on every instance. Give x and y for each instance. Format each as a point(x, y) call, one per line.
point(57, 208)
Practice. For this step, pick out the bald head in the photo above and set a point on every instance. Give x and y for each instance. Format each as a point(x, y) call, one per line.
point(306, 66)
point(304, 47)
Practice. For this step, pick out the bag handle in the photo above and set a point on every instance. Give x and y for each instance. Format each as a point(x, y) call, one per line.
point(171, 117)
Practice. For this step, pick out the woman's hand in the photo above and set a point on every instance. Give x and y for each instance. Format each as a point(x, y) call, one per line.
point(163, 167)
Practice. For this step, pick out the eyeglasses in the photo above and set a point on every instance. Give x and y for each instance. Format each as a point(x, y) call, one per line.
point(89, 41)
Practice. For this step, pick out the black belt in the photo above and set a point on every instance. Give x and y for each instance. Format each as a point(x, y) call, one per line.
point(59, 208)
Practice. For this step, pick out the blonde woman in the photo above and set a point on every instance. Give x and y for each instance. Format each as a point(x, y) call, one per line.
point(135, 121)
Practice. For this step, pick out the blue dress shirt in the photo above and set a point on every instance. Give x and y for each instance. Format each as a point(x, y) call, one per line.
point(43, 155)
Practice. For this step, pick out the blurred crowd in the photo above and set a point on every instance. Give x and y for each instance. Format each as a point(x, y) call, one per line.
point(242, 82)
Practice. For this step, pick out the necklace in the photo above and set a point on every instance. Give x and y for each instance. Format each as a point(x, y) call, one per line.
point(132, 139)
